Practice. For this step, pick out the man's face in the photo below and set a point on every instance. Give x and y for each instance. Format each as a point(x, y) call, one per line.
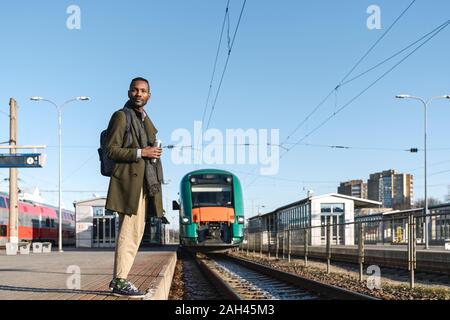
point(139, 93)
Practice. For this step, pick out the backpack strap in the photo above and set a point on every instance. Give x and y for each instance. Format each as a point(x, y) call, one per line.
point(127, 137)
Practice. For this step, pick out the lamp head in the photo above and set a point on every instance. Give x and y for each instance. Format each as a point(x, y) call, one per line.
point(402, 96)
point(36, 98)
point(83, 98)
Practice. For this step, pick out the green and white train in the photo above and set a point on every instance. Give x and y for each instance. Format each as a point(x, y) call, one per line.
point(211, 210)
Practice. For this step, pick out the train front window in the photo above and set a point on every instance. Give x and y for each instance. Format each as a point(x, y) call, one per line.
point(211, 196)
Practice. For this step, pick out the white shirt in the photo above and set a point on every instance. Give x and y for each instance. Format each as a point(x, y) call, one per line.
point(139, 151)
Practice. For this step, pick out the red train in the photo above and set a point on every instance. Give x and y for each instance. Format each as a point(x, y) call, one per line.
point(37, 222)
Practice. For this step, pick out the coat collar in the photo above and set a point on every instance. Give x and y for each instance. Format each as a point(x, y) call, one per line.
point(148, 124)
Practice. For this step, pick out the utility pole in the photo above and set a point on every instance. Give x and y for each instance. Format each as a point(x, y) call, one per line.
point(13, 206)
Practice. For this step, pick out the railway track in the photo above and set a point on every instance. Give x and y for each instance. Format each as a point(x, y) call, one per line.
point(241, 279)
point(192, 283)
point(396, 274)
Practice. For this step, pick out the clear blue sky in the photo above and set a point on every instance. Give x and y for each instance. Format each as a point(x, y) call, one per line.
point(287, 56)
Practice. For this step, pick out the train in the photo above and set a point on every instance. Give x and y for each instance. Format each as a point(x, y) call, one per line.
point(211, 210)
point(37, 222)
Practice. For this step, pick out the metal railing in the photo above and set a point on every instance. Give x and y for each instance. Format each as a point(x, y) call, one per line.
point(403, 232)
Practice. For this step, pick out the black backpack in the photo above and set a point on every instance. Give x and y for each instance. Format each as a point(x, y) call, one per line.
point(106, 164)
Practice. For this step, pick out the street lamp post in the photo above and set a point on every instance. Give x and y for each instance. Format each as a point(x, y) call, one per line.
point(59, 110)
point(259, 208)
point(167, 184)
point(173, 229)
point(425, 103)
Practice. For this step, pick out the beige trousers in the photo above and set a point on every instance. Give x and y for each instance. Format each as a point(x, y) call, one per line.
point(131, 230)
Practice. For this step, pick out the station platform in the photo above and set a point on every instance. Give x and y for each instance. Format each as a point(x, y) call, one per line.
point(83, 274)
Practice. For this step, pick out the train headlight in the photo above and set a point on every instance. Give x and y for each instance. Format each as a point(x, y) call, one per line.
point(193, 180)
point(185, 220)
point(240, 219)
point(229, 179)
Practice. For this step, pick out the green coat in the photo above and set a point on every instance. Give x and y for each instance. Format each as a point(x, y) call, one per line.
point(127, 178)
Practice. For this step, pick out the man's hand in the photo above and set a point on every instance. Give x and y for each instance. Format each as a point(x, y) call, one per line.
point(151, 152)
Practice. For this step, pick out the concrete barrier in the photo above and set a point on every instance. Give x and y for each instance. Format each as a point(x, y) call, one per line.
point(24, 248)
point(46, 247)
point(447, 244)
point(11, 248)
point(37, 247)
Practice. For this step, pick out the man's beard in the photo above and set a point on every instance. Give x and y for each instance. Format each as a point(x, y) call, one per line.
point(136, 106)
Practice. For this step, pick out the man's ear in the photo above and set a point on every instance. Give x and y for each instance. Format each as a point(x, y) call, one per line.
point(129, 94)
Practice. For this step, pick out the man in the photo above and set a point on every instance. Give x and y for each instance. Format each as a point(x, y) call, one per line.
point(135, 186)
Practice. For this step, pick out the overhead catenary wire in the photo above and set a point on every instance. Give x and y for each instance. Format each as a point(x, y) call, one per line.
point(439, 172)
point(355, 148)
point(72, 147)
point(392, 56)
point(433, 186)
point(344, 147)
point(334, 90)
point(215, 61)
point(345, 77)
point(215, 66)
point(437, 30)
point(39, 179)
point(286, 179)
point(190, 146)
point(308, 116)
point(367, 88)
point(377, 42)
point(421, 176)
point(226, 19)
point(74, 191)
point(428, 165)
point(79, 167)
point(68, 176)
point(226, 65)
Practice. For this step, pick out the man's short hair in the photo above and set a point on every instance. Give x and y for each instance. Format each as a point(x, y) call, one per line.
point(140, 79)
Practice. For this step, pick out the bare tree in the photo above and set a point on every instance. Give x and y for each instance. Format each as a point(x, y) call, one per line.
point(420, 203)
